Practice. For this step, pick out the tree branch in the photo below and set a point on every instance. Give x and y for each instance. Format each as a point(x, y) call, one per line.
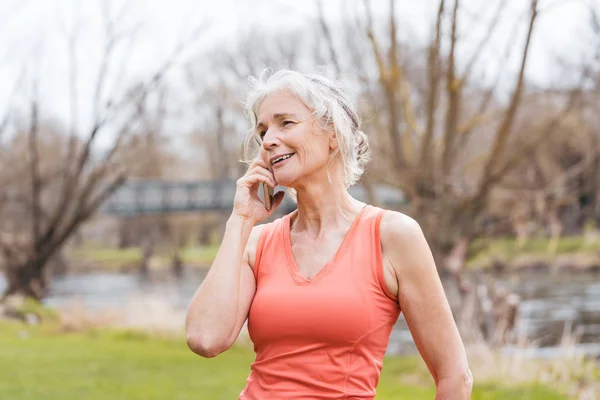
point(486, 38)
point(83, 212)
point(34, 165)
point(489, 95)
point(505, 130)
point(453, 91)
point(433, 62)
point(327, 34)
point(545, 132)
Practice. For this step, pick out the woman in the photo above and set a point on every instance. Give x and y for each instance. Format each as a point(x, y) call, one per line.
point(323, 286)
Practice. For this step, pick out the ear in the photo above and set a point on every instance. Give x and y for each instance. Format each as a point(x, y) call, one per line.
point(333, 142)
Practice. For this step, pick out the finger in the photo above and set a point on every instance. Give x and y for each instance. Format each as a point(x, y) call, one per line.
point(257, 167)
point(265, 172)
point(259, 162)
point(251, 180)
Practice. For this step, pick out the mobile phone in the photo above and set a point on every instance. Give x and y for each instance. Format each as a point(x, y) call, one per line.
point(268, 192)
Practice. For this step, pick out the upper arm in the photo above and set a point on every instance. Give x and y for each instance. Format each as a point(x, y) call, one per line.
point(247, 281)
point(421, 296)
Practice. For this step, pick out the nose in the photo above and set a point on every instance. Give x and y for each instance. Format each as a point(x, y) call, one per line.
point(270, 139)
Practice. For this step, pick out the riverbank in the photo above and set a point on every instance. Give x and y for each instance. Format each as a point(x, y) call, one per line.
point(45, 362)
point(576, 253)
point(93, 258)
point(572, 253)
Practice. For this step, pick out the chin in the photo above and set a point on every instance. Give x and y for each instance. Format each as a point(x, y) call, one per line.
point(286, 180)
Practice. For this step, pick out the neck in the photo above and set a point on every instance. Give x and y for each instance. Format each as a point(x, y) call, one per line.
point(323, 207)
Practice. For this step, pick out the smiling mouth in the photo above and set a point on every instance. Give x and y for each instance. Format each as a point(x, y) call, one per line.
point(282, 158)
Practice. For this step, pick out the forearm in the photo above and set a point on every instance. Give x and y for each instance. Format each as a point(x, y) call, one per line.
point(212, 313)
point(455, 388)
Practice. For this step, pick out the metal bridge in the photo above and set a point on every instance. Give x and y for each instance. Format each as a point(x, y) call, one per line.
point(138, 197)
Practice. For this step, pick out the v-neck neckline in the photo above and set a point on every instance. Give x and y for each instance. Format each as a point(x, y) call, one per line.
point(325, 269)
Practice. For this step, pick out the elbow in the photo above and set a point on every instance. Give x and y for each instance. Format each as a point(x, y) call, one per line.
point(205, 347)
point(464, 379)
point(458, 385)
point(467, 380)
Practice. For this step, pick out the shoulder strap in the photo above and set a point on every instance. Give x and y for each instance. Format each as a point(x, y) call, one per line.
point(268, 231)
point(377, 263)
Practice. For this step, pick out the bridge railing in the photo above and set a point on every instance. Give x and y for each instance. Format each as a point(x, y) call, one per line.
point(158, 197)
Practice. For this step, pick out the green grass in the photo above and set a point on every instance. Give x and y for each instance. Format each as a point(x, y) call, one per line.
point(536, 248)
point(537, 245)
point(200, 255)
point(39, 363)
point(114, 258)
point(105, 256)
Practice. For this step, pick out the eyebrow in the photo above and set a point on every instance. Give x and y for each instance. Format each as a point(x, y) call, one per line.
point(278, 116)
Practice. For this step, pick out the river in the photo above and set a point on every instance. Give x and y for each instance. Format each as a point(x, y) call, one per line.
point(549, 302)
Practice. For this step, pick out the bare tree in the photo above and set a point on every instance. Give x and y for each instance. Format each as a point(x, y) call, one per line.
point(433, 178)
point(451, 141)
point(58, 203)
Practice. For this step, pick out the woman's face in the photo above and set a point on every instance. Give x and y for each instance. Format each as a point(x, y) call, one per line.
point(287, 128)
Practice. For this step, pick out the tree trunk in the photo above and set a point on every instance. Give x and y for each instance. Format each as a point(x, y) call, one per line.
point(556, 228)
point(29, 280)
point(483, 310)
point(147, 252)
point(177, 265)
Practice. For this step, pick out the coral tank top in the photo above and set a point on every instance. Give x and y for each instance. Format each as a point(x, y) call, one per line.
point(324, 337)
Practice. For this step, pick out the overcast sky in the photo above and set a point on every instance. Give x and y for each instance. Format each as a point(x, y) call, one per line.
point(27, 25)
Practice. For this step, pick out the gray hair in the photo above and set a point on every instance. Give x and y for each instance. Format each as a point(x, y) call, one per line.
point(332, 107)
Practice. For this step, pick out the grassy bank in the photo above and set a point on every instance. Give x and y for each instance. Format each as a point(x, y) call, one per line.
point(573, 252)
point(90, 257)
point(43, 363)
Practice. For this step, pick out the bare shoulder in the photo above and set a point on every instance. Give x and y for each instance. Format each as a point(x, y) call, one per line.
point(398, 229)
point(403, 242)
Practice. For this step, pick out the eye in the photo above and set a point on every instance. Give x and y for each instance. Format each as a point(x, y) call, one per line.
point(261, 134)
point(287, 123)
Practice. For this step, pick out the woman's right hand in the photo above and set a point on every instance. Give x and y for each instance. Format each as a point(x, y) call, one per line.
point(247, 204)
